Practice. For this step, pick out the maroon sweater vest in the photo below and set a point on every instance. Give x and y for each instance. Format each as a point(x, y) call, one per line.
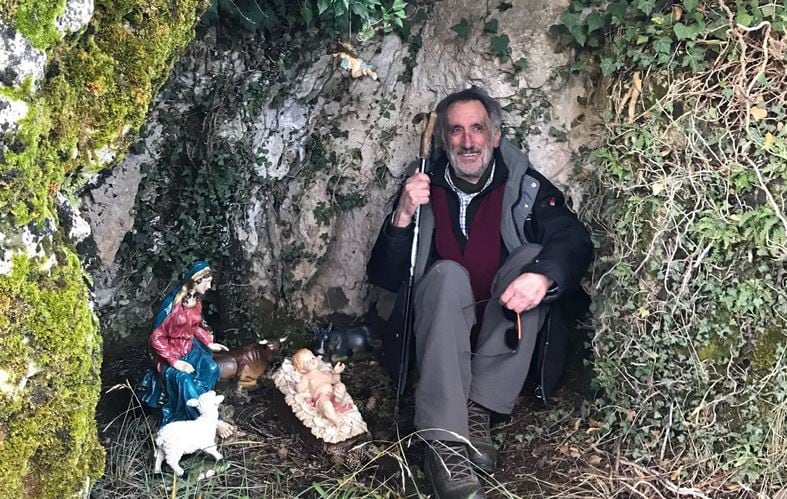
point(481, 256)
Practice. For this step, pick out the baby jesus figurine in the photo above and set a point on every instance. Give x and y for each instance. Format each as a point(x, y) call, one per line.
point(316, 395)
point(327, 392)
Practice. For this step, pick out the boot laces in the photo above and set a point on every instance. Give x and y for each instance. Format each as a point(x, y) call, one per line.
point(478, 422)
point(452, 456)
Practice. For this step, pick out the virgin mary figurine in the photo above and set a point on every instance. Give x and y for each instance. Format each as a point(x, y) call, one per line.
point(181, 346)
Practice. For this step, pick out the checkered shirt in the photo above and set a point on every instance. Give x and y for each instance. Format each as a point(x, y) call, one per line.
point(465, 198)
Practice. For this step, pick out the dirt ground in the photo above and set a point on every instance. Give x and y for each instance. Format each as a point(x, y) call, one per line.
point(272, 456)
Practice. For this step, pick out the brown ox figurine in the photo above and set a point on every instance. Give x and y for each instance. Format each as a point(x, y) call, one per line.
point(247, 364)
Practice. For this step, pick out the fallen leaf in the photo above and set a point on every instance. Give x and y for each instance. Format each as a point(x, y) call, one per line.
point(769, 138)
point(595, 460)
point(677, 12)
point(676, 474)
point(758, 113)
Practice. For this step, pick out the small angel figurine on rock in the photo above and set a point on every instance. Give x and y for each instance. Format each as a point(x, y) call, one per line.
point(315, 393)
point(350, 61)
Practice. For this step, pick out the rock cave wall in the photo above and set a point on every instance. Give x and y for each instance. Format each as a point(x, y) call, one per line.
point(306, 160)
point(76, 78)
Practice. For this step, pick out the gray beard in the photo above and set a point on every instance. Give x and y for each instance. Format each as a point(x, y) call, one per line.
point(486, 161)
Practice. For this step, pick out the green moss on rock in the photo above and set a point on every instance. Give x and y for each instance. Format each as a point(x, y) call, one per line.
point(48, 441)
point(97, 95)
point(96, 92)
point(35, 19)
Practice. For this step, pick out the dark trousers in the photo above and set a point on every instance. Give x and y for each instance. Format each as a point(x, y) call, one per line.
point(449, 373)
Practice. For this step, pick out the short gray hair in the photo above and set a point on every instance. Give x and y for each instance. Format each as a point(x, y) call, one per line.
point(491, 105)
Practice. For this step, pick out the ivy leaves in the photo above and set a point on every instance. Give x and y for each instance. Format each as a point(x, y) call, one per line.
point(581, 26)
point(586, 30)
point(332, 17)
point(499, 44)
point(690, 5)
point(640, 34)
point(690, 31)
point(462, 29)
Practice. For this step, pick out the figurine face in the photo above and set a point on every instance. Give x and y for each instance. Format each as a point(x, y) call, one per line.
point(202, 285)
point(471, 139)
point(312, 363)
point(305, 361)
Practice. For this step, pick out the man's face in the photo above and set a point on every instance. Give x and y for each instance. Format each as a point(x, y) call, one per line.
point(471, 139)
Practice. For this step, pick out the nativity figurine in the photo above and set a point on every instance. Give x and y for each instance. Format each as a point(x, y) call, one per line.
point(349, 60)
point(181, 347)
point(327, 392)
point(314, 391)
point(247, 364)
point(186, 437)
point(342, 344)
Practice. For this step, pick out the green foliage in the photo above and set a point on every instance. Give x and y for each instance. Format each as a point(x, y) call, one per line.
point(413, 46)
point(196, 193)
point(642, 34)
point(252, 15)
point(559, 135)
point(690, 302)
point(520, 64)
point(462, 29)
point(500, 46)
point(586, 29)
point(331, 17)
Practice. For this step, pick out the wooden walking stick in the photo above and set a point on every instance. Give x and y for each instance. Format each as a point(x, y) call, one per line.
point(404, 359)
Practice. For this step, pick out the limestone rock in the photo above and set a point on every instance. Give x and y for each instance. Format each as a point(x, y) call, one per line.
point(30, 241)
point(90, 95)
point(11, 111)
point(18, 59)
point(112, 200)
point(329, 151)
point(75, 17)
point(76, 227)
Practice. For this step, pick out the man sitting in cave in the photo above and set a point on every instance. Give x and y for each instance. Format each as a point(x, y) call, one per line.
point(502, 250)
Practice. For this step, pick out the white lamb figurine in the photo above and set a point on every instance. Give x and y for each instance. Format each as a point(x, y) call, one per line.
point(184, 437)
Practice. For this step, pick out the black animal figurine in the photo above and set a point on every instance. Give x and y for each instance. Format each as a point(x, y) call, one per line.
point(339, 345)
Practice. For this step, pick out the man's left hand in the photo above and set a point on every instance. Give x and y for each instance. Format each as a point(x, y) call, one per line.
point(525, 292)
